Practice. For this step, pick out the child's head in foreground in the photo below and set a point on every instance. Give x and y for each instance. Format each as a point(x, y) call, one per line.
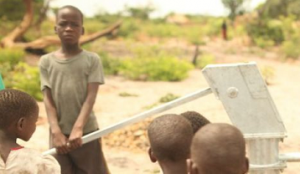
point(170, 137)
point(69, 24)
point(218, 148)
point(18, 114)
point(196, 119)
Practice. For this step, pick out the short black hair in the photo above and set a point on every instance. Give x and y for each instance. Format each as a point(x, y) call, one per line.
point(15, 104)
point(196, 119)
point(170, 137)
point(72, 8)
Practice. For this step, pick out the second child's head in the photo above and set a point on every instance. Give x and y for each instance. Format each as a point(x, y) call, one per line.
point(196, 119)
point(69, 25)
point(170, 137)
point(18, 114)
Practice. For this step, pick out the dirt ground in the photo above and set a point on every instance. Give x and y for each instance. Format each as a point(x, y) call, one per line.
point(111, 108)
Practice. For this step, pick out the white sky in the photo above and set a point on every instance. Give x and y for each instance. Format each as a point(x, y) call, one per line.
point(163, 7)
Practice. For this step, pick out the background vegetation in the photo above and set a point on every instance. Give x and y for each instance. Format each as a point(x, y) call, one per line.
point(274, 26)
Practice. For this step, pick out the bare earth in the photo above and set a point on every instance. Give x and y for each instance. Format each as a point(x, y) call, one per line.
point(111, 108)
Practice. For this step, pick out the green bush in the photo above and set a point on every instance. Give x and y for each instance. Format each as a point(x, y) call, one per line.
point(168, 97)
point(110, 64)
point(155, 68)
point(269, 30)
point(205, 59)
point(11, 56)
point(291, 49)
point(129, 29)
point(25, 78)
point(263, 43)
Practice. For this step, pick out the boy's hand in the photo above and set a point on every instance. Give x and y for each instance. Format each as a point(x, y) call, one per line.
point(60, 143)
point(75, 138)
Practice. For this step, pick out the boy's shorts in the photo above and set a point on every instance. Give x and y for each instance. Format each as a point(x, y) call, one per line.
point(88, 159)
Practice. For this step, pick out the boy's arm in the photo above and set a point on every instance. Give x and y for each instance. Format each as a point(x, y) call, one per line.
point(75, 138)
point(58, 138)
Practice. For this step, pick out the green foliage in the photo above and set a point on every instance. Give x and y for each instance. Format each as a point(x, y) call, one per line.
point(126, 94)
point(11, 56)
point(155, 68)
point(290, 46)
point(268, 74)
point(205, 59)
point(9, 11)
point(168, 97)
point(129, 28)
point(106, 18)
point(25, 78)
point(93, 25)
point(265, 33)
point(140, 12)
point(164, 99)
point(235, 7)
point(110, 64)
point(277, 8)
point(263, 43)
point(291, 49)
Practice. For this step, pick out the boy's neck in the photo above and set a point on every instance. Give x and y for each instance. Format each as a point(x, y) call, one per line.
point(7, 142)
point(68, 51)
point(8, 139)
point(179, 167)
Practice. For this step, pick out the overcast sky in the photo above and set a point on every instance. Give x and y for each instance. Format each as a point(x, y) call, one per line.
point(163, 7)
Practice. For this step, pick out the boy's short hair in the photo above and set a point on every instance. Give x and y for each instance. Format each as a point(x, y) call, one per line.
point(72, 8)
point(219, 148)
point(196, 119)
point(170, 137)
point(15, 104)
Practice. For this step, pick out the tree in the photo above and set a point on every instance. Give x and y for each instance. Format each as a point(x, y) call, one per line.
point(276, 8)
point(12, 40)
point(235, 7)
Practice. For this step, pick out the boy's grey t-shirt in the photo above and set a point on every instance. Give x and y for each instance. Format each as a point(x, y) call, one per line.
point(68, 80)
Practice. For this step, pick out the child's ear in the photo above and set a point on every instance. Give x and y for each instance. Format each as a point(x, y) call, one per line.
point(246, 166)
point(151, 155)
point(20, 123)
point(192, 168)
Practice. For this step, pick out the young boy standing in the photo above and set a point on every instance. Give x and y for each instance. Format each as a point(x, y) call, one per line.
point(70, 78)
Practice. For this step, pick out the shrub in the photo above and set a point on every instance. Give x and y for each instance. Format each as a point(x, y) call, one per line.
point(263, 43)
point(268, 74)
point(155, 68)
point(25, 78)
point(168, 97)
point(269, 30)
point(11, 56)
point(291, 49)
point(205, 59)
point(129, 29)
point(110, 64)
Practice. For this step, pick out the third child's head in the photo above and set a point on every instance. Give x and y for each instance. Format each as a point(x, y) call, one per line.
point(218, 148)
point(69, 25)
point(170, 137)
point(18, 113)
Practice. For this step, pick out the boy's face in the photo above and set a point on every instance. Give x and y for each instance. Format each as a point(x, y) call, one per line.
point(69, 26)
